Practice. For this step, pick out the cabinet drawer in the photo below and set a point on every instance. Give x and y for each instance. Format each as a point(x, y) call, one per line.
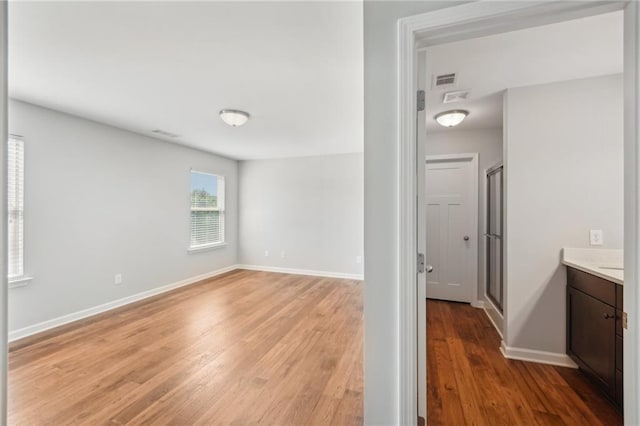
point(594, 286)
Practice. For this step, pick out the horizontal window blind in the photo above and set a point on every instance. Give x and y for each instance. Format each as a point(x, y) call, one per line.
point(15, 204)
point(207, 209)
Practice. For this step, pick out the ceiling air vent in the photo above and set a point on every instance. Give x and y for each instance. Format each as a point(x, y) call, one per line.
point(163, 133)
point(460, 95)
point(444, 80)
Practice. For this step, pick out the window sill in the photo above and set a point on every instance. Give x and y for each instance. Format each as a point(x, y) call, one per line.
point(19, 281)
point(206, 247)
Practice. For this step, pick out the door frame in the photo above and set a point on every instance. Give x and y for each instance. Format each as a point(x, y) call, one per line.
point(496, 317)
point(473, 159)
point(4, 341)
point(477, 19)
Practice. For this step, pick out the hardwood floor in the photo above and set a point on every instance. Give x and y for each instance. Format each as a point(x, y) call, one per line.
point(243, 348)
point(470, 382)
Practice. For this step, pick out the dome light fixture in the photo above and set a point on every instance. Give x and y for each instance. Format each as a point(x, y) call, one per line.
point(234, 117)
point(451, 118)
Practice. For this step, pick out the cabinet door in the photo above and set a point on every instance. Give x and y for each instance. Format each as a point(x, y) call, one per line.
point(592, 337)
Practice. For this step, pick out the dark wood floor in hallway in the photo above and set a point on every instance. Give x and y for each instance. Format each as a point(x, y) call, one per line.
point(243, 348)
point(470, 382)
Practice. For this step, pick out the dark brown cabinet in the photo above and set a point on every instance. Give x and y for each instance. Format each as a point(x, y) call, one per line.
point(594, 332)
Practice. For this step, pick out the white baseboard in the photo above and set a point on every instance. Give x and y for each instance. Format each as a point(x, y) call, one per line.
point(479, 304)
point(302, 272)
point(552, 358)
point(495, 316)
point(85, 313)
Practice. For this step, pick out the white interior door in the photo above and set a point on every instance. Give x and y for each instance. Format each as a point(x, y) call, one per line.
point(451, 253)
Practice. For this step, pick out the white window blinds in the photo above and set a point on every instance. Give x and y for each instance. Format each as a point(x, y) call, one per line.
point(207, 209)
point(15, 203)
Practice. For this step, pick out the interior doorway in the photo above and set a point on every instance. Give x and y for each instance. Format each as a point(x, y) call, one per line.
point(470, 21)
point(451, 183)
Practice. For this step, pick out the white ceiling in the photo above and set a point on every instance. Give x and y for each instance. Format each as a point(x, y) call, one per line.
point(296, 67)
point(581, 48)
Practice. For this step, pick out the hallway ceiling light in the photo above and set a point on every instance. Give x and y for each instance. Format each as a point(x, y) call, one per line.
point(234, 117)
point(451, 118)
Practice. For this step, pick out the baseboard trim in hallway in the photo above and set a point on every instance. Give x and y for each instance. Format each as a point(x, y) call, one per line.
point(541, 357)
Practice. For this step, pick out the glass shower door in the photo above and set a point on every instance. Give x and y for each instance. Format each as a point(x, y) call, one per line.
point(494, 236)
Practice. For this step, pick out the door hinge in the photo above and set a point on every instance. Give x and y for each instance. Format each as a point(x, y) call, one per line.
point(421, 100)
point(420, 263)
point(625, 320)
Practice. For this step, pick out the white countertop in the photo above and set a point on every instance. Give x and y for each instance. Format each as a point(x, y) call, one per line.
point(603, 263)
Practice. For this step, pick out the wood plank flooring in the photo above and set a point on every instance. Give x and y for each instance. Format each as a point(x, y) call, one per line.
point(243, 348)
point(470, 382)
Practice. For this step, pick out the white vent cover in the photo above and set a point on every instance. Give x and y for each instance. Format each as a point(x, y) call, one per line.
point(443, 80)
point(163, 133)
point(460, 95)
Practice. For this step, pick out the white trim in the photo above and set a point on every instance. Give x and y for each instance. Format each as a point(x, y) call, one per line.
point(631, 295)
point(20, 281)
point(489, 307)
point(456, 23)
point(85, 313)
point(4, 291)
point(541, 357)
point(205, 247)
point(302, 272)
point(406, 258)
point(478, 304)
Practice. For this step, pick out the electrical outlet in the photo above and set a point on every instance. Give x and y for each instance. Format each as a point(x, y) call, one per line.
point(117, 279)
point(266, 253)
point(358, 259)
point(283, 254)
point(595, 237)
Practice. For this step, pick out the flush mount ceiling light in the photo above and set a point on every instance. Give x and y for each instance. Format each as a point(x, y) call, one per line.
point(451, 118)
point(234, 117)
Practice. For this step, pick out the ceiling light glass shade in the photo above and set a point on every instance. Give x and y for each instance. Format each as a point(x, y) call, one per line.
point(234, 117)
point(451, 118)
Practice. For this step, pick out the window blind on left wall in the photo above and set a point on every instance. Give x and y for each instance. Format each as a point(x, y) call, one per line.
point(15, 207)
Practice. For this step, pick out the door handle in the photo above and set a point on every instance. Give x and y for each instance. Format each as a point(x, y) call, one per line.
point(429, 268)
point(466, 238)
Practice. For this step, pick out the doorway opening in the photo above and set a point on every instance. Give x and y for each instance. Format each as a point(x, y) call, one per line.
point(420, 31)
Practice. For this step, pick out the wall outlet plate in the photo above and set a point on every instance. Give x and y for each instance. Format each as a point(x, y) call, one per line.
point(117, 279)
point(595, 237)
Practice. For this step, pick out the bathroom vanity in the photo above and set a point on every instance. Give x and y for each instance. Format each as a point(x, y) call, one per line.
point(594, 317)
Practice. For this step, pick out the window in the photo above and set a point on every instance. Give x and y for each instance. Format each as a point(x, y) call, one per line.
point(207, 210)
point(15, 203)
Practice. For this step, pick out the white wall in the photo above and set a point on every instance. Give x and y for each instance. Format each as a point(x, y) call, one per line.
point(488, 144)
point(564, 174)
point(101, 201)
point(311, 208)
point(381, 374)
